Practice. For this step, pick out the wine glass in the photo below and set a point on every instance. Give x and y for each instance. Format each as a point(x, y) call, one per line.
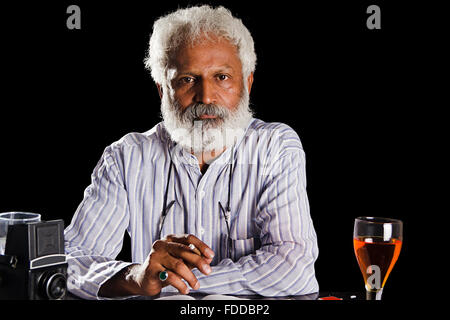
point(377, 243)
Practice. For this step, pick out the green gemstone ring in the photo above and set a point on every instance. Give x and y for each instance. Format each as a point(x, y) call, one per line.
point(163, 275)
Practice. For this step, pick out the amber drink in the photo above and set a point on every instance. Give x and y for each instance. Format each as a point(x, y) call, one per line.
point(377, 243)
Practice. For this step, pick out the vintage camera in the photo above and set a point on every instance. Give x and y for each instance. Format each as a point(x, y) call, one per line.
point(34, 265)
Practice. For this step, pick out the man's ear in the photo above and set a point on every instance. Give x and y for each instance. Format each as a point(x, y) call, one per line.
point(160, 90)
point(250, 82)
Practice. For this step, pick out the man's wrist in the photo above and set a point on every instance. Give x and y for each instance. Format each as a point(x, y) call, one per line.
point(123, 283)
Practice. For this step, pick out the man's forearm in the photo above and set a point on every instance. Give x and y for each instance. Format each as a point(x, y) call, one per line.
point(281, 270)
point(123, 283)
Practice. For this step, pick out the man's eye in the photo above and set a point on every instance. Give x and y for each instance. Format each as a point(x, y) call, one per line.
point(222, 77)
point(187, 80)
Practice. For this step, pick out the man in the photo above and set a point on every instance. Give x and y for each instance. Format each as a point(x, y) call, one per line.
point(213, 199)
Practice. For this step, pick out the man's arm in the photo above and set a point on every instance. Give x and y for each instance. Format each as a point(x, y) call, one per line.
point(95, 235)
point(123, 283)
point(284, 265)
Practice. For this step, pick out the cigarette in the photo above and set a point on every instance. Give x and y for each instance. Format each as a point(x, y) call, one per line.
point(194, 249)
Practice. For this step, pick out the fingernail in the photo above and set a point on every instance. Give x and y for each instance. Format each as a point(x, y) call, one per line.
point(209, 253)
point(206, 268)
point(197, 286)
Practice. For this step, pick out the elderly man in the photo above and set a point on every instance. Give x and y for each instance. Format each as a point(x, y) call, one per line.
point(213, 199)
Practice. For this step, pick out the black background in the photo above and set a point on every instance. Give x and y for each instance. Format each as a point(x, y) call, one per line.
point(355, 96)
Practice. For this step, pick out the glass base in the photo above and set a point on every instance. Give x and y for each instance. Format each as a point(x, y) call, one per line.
point(374, 295)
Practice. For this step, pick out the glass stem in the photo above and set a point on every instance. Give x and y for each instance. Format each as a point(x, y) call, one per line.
point(374, 295)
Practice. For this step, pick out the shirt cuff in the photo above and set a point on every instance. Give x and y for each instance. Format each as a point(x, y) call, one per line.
point(86, 276)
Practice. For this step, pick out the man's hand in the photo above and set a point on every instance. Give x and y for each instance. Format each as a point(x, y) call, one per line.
point(171, 254)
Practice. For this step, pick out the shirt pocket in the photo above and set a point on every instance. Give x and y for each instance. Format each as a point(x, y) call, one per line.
point(241, 247)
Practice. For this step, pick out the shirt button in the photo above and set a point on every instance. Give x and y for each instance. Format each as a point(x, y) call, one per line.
point(202, 230)
point(201, 194)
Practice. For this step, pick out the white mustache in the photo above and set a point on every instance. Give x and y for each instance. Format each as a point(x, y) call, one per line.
point(195, 111)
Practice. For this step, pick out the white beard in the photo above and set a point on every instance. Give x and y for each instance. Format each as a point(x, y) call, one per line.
point(209, 135)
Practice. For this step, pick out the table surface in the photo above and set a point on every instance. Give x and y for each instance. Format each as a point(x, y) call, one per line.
point(199, 296)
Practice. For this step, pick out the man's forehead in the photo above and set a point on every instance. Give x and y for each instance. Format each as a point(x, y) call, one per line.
point(186, 69)
point(207, 49)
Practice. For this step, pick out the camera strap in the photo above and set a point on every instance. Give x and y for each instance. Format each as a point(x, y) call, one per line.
point(10, 261)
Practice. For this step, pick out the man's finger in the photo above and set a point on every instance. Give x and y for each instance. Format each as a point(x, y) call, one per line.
point(175, 280)
point(181, 269)
point(179, 250)
point(188, 239)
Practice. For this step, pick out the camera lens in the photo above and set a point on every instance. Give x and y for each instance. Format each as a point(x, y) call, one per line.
point(54, 285)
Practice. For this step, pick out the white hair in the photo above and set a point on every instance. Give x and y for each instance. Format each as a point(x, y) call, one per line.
point(191, 24)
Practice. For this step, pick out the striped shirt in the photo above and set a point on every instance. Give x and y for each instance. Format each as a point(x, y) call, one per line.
point(273, 241)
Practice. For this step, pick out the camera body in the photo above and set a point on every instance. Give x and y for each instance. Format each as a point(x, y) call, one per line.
point(34, 265)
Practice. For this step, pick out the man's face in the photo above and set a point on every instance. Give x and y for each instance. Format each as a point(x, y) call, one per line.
point(208, 73)
point(205, 90)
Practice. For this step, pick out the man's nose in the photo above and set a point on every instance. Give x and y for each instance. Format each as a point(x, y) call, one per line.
point(205, 92)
